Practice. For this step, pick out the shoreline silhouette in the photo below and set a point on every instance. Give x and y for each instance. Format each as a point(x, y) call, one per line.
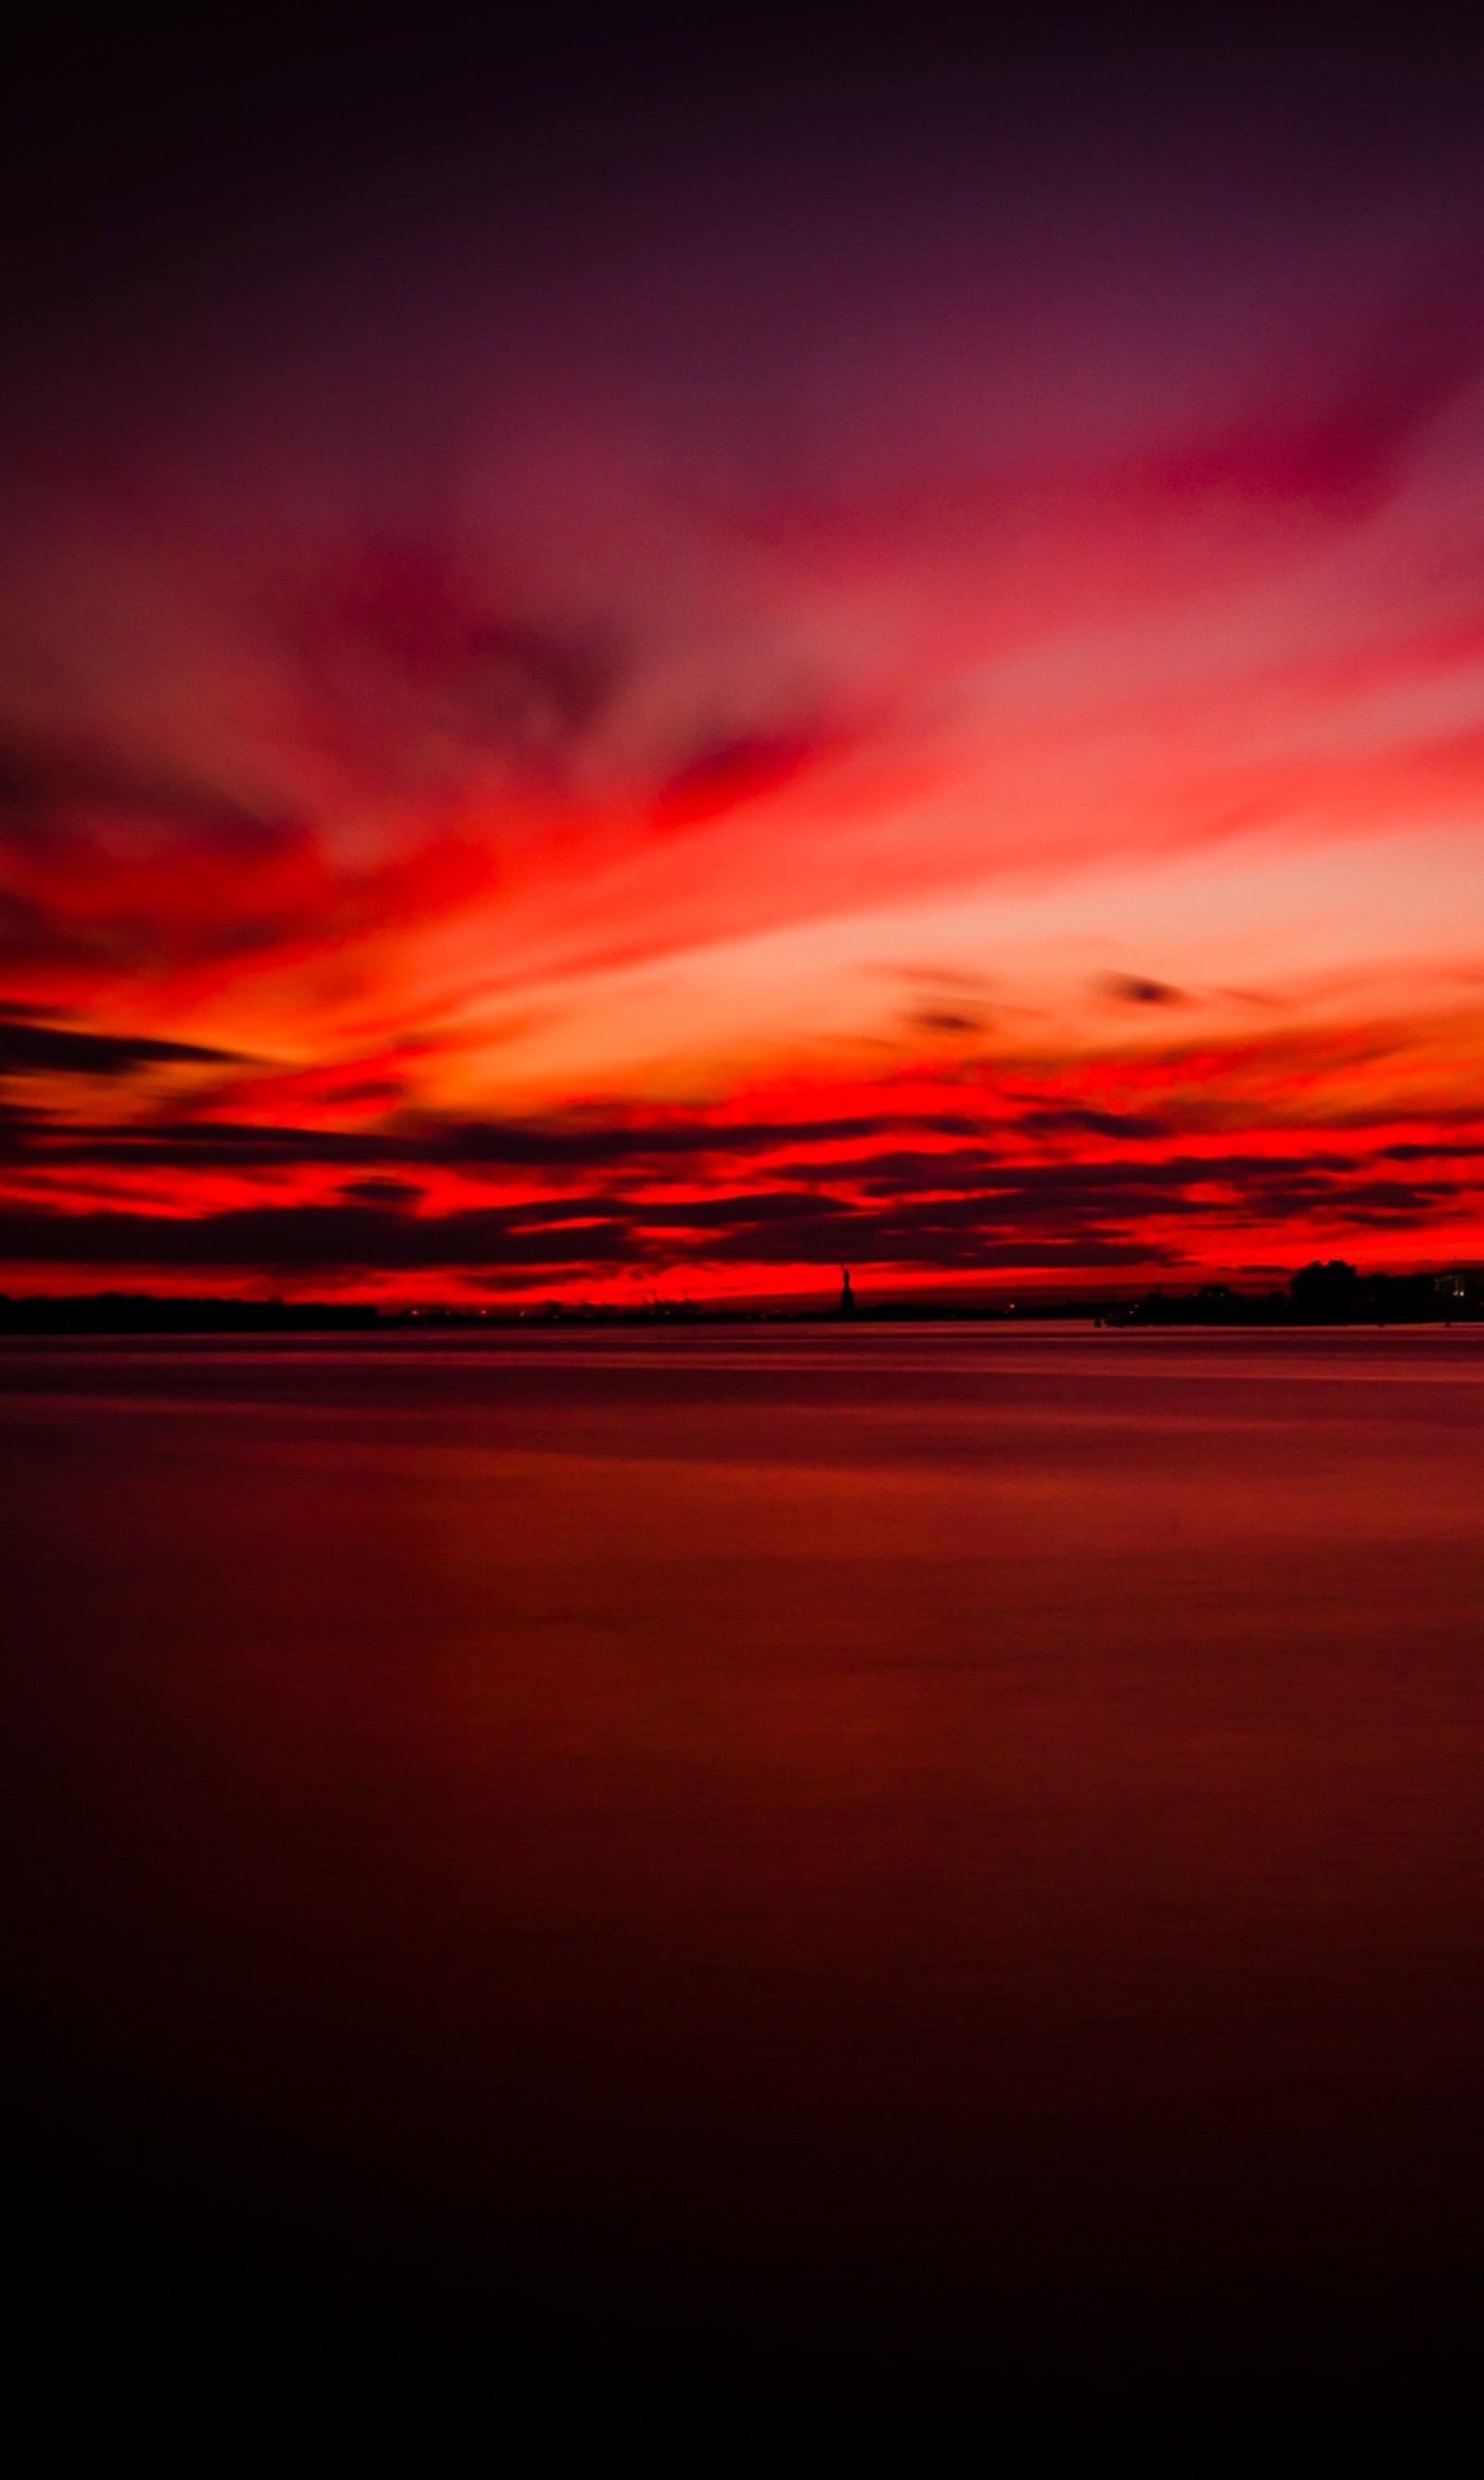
point(1326, 1294)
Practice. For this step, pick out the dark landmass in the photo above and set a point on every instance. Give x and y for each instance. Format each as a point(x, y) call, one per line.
point(1331, 1294)
point(147, 1314)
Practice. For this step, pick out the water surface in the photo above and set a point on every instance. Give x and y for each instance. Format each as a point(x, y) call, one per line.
point(811, 1847)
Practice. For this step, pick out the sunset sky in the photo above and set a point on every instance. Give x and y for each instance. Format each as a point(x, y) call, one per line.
point(654, 660)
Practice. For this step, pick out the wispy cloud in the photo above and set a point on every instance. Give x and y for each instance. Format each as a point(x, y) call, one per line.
point(479, 722)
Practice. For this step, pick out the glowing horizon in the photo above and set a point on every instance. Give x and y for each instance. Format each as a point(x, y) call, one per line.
point(899, 708)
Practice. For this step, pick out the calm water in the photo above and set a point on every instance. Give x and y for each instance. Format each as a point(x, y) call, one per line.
point(882, 1852)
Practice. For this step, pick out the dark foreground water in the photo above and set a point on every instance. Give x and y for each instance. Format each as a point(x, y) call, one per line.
point(863, 1873)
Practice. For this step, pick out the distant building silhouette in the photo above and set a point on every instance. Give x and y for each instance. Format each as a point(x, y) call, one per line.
point(847, 1308)
point(1327, 1295)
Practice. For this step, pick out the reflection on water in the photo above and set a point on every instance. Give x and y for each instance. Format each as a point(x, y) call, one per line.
point(811, 1832)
